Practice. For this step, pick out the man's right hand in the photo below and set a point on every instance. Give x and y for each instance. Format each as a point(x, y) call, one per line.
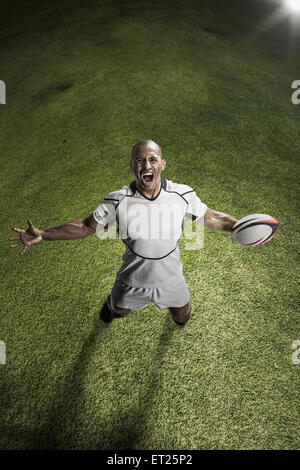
point(31, 236)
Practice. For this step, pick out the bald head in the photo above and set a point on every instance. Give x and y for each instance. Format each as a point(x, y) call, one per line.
point(147, 142)
point(147, 165)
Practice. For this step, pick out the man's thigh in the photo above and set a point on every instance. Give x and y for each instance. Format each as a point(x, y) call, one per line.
point(126, 298)
point(176, 296)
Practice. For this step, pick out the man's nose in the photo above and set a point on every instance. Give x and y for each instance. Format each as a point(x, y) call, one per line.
point(147, 164)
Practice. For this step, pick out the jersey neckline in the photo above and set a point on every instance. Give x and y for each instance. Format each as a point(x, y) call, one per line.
point(134, 189)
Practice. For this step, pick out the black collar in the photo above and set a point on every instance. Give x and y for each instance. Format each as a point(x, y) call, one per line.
point(163, 185)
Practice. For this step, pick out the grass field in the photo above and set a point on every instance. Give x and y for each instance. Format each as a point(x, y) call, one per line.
point(85, 81)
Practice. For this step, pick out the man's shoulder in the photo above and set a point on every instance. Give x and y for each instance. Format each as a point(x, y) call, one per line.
point(179, 188)
point(119, 194)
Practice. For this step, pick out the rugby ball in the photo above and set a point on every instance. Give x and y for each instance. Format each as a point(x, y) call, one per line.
point(255, 229)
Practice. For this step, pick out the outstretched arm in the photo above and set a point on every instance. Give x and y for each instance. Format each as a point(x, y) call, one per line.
point(73, 230)
point(218, 220)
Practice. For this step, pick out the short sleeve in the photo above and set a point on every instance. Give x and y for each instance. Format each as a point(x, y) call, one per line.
point(195, 208)
point(105, 214)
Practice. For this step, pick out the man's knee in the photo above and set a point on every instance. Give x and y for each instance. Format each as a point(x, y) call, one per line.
point(117, 312)
point(120, 312)
point(181, 315)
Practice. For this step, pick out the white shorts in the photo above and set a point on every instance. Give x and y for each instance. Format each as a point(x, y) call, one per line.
point(136, 298)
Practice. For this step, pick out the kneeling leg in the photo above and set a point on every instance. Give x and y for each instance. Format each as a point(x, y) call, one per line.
point(117, 312)
point(181, 314)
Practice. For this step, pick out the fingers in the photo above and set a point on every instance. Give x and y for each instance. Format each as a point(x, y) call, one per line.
point(16, 244)
point(23, 251)
point(21, 239)
point(30, 224)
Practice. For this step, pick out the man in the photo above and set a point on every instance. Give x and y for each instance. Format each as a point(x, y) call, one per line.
point(149, 213)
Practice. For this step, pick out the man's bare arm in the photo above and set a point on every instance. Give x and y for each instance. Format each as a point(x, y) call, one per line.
point(218, 221)
point(73, 230)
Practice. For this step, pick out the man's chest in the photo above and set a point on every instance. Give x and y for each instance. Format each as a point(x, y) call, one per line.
point(159, 219)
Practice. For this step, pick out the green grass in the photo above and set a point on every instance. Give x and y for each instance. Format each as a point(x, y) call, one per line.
point(85, 81)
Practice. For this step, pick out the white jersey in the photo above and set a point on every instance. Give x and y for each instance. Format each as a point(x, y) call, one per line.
point(150, 229)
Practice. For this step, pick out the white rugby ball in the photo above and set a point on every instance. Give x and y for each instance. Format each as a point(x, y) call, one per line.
point(255, 229)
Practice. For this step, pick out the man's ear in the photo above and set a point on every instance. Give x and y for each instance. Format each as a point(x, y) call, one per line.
point(164, 164)
point(131, 166)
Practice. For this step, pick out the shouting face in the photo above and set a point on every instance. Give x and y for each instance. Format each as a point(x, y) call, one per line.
point(147, 165)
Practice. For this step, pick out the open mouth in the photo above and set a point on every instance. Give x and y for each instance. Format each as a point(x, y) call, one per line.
point(147, 178)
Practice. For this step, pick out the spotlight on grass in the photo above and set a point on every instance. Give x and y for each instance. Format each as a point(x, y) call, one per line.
point(284, 10)
point(292, 6)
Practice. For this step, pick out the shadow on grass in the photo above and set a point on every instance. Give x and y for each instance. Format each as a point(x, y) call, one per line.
point(132, 426)
point(59, 430)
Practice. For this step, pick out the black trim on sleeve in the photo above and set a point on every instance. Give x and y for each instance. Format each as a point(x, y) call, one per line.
point(191, 216)
point(192, 191)
point(175, 192)
point(109, 199)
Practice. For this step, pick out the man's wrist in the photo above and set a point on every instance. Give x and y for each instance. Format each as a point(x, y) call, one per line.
point(233, 224)
point(43, 235)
